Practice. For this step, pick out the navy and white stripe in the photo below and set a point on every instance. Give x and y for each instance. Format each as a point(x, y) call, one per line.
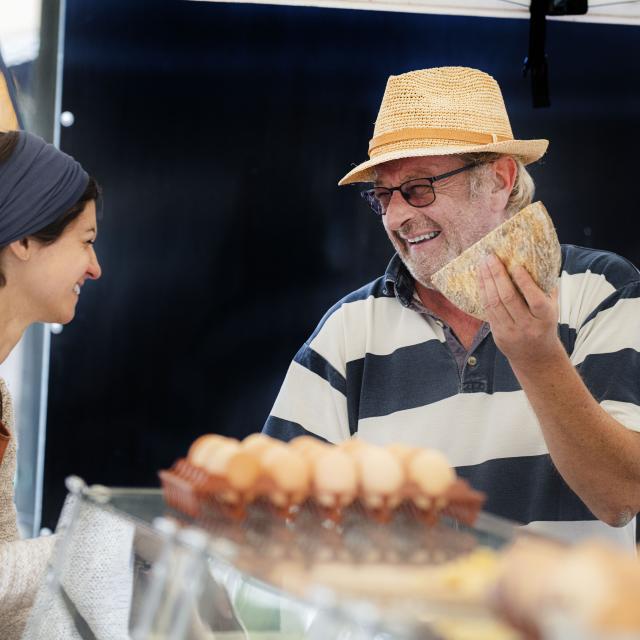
point(378, 368)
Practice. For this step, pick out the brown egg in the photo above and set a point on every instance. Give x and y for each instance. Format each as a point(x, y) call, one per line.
point(357, 449)
point(354, 447)
point(267, 455)
point(203, 447)
point(401, 451)
point(242, 470)
point(217, 459)
point(334, 472)
point(380, 472)
point(431, 471)
point(309, 446)
point(287, 468)
point(257, 442)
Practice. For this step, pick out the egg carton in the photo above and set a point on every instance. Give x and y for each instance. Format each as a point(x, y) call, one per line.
point(206, 497)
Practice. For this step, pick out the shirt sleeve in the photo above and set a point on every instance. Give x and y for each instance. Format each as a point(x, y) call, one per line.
point(313, 396)
point(607, 354)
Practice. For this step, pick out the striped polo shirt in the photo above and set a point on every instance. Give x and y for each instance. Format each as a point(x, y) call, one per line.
point(377, 367)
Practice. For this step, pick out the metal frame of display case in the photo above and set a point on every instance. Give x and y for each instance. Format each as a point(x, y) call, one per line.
point(191, 582)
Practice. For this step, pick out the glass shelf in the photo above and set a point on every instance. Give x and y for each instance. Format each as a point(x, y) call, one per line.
point(125, 561)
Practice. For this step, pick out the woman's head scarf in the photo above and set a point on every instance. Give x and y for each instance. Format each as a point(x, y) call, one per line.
point(38, 183)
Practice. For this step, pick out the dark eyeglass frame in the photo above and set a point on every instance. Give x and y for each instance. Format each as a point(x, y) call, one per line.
point(376, 206)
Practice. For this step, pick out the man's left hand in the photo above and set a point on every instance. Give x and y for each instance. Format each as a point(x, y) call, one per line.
point(523, 319)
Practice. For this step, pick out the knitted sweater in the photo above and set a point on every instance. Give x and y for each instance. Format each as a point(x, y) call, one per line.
point(22, 562)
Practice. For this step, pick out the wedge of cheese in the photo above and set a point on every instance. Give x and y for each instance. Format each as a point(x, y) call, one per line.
point(528, 238)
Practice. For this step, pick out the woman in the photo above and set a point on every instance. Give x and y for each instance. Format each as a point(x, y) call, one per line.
point(47, 230)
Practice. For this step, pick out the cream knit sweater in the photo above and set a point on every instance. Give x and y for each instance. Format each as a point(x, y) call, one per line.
point(22, 562)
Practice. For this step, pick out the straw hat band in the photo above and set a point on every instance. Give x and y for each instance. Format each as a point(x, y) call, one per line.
point(439, 112)
point(459, 135)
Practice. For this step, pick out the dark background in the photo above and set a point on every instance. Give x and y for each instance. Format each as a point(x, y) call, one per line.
point(219, 133)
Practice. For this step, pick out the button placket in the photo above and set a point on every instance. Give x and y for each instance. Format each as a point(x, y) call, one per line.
point(473, 379)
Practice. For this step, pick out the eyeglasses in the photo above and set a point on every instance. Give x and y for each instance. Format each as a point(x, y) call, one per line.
point(418, 192)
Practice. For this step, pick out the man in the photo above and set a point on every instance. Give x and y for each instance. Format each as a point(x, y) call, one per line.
point(539, 407)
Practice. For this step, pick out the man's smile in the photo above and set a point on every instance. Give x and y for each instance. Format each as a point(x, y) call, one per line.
point(423, 238)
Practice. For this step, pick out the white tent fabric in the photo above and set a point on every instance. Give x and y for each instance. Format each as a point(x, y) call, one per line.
point(606, 11)
point(19, 30)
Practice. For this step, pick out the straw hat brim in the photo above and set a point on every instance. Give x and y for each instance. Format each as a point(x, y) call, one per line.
point(527, 150)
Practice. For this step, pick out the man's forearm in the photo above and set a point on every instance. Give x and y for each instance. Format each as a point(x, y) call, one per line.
point(597, 456)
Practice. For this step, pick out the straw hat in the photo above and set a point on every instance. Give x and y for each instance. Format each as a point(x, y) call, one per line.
point(438, 112)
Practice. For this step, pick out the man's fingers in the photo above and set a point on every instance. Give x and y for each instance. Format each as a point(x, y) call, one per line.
point(535, 297)
point(492, 304)
point(509, 294)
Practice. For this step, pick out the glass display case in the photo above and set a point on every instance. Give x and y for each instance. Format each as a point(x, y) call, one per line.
point(127, 566)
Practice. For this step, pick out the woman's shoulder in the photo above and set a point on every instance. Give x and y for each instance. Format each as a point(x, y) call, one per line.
point(6, 405)
point(8, 525)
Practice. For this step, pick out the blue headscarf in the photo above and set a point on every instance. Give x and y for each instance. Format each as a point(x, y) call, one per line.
point(38, 183)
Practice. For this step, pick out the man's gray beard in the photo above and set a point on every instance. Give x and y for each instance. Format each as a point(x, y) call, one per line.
point(425, 281)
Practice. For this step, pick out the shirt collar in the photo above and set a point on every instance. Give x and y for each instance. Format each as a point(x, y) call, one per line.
point(399, 281)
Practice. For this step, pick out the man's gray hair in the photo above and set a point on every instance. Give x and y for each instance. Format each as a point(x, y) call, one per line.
point(523, 187)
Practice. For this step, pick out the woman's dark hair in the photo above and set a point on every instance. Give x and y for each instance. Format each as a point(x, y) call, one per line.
point(8, 142)
point(53, 231)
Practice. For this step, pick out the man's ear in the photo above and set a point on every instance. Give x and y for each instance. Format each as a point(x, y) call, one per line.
point(506, 171)
point(22, 249)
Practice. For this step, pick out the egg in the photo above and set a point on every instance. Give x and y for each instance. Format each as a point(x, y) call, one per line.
point(309, 446)
point(203, 447)
point(216, 461)
point(380, 471)
point(354, 447)
point(287, 468)
point(431, 471)
point(271, 453)
point(334, 472)
point(242, 469)
point(257, 442)
point(401, 451)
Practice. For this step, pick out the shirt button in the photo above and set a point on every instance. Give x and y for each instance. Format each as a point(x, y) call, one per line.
point(472, 361)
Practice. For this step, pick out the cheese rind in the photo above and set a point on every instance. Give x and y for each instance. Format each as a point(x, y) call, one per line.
point(528, 239)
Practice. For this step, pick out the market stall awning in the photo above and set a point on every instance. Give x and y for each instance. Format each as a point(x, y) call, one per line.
point(609, 11)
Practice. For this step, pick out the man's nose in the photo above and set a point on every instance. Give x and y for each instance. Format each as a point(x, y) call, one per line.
point(398, 212)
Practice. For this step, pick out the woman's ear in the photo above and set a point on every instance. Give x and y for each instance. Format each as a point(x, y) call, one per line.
point(22, 249)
